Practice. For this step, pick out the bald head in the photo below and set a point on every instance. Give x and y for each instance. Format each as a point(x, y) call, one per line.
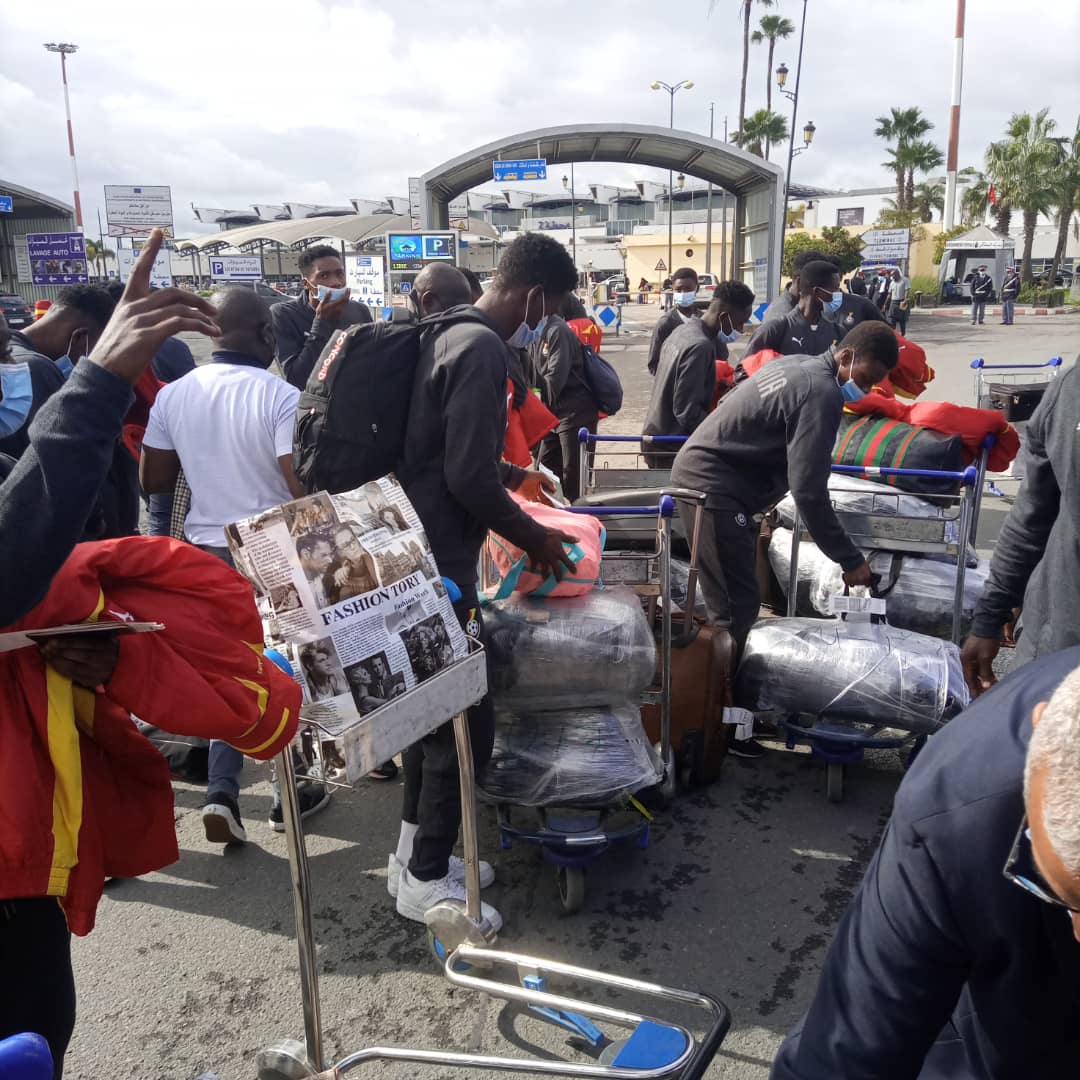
point(440, 286)
point(244, 318)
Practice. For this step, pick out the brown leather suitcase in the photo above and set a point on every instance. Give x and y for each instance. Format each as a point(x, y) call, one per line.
point(702, 674)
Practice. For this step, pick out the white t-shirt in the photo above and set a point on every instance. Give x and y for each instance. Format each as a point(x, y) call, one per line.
point(228, 423)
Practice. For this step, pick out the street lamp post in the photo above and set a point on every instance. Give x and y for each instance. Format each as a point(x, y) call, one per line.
point(781, 78)
point(65, 49)
point(686, 84)
point(573, 221)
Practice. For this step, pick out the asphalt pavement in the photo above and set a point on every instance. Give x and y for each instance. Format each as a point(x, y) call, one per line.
point(193, 969)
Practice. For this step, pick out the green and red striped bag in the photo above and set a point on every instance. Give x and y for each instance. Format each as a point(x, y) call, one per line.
point(878, 442)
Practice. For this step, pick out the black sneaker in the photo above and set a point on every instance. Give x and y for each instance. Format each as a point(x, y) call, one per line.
point(386, 771)
point(746, 748)
point(312, 798)
point(221, 820)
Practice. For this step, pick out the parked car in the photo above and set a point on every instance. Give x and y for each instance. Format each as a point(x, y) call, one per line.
point(16, 311)
point(269, 294)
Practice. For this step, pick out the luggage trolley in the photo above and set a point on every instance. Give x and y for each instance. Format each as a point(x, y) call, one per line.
point(459, 936)
point(842, 744)
point(572, 838)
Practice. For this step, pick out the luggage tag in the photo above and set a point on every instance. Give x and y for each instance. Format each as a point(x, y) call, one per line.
point(743, 719)
point(858, 606)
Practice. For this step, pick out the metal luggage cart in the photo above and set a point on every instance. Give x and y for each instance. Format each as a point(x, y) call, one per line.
point(571, 838)
point(839, 744)
point(1003, 377)
point(461, 938)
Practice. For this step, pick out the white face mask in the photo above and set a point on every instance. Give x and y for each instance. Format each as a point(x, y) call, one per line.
point(333, 294)
point(728, 337)
point(525, 335)
point(685, 299)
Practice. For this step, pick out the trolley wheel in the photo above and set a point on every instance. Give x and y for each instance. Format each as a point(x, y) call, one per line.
point(571, 881)
point(834, 781)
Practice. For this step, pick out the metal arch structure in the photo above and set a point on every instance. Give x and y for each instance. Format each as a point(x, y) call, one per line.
point(758, 185)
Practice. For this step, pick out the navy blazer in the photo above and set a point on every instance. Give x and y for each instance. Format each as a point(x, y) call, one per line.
point(942, 969)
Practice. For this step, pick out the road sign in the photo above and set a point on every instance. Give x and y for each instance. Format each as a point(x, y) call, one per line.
point(236, 268)
point(660, 265)
point(761, 276)
point(160, 272)
point(364, 276)
point(759, 311)
point(884, 252)
point(57, 258)
point(886, 236)
point(513, 171)
point(134, 211)
point(405, 288)
point(7, 204)
point(606, 314)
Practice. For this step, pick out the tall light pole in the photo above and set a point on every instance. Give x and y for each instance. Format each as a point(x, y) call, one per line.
point(65, 49)
point(573, 220)
point(686, 84)
point(708, 204)
point(781, 79)
point(949, 217)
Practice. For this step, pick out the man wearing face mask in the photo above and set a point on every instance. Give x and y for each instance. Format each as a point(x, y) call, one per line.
point(811, 328)
point(774, 433)
point(303, 326)
point(684, 294)
point(686, 378)
point(854, 308)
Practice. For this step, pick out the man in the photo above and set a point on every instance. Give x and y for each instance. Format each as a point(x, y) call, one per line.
point(813, 326)
point(1010, 290)
point(45, 501)
point(668, 290)
point(316, 555)
point(476, 290)
point(775, 432)
point(857, 284)
point(437, 287)
point(558, 369)
point(229, 426)
point(355, 572)
point(303, 326)
point(854, 309)
point(958, 958)
point(686, 377)
point(899, 306)
point(982, 288)
point(1034, 561)
point(684, 292)
point(452, 474)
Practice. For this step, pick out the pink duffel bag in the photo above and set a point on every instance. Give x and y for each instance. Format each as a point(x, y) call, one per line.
point(509, 565)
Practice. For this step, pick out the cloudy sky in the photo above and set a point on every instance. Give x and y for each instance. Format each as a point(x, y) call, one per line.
point(234, 102)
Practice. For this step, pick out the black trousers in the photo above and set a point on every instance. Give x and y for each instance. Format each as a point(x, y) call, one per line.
point(727, 567)
point(561, 451)
point(432, 796)
point(37, 987)
point(898, 316)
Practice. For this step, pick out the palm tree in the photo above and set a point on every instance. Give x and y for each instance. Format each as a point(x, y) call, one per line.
point(772, 28)
point(929, 196)
point(1066, 197)
point(903, 127)
point(973, 201)
point(99, 255)
point(762, 128)
point(1023, 167)
point(746, 6)
point(922, 156)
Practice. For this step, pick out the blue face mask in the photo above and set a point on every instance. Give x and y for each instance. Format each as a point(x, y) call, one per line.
point(685, 299)
point(852, 391)
point(333, 294)
point(18, 396)
point(833, 306)
point(728, 338)
point(65, 365)
point(525, 335)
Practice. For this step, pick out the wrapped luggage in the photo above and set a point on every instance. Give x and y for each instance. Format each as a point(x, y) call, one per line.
point(859, 672)
point(573, 757)
point(579, 650)
point(919, 592)
point(880, 442)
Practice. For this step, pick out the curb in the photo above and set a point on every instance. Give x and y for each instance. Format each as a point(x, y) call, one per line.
point(964, 312)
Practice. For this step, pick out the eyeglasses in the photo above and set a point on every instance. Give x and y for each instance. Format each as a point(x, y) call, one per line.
point(1020, 869)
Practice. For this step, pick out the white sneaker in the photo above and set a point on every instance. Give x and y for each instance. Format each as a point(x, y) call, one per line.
point(457, 872)
point(414, 897)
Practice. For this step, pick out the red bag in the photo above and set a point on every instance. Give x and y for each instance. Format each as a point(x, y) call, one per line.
point(725, 381)
point(751, 364)
point(912, 374)
point(525, 427)
point(588, 333)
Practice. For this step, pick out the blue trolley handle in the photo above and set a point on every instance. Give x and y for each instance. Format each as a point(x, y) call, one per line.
point(981, 365)
point(585, 436)
point(665, 508)
point(968, 477)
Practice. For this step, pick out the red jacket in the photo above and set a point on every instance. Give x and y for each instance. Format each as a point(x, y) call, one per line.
point(83, 795)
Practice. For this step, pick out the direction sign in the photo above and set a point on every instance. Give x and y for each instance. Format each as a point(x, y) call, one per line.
point(886, 236)
point(364, 276)
point(134, 211)
point(525, 169)
point(57, 258)
point(160, 272)
point(884, 252)
point(660, 265)
point(7, 204)
point(236, 268)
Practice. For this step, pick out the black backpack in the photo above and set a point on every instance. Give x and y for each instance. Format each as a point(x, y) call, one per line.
point(353, 414)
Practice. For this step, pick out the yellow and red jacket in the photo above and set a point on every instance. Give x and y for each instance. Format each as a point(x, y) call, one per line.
point(83, 796)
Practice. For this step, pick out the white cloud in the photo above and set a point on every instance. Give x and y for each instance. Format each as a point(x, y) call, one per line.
point(237, 101)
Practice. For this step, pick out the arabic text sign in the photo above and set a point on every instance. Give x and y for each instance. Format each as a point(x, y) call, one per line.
point(134, 211)
point(886, 236)
point(57, 258)
point(236, 268)
point(160, 274)
point(512, 171)
point(364, 276)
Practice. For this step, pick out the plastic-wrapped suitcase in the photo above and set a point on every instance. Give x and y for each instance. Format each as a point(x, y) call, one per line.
point(702, 676)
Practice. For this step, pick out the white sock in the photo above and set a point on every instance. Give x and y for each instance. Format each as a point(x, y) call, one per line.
point(405, 842)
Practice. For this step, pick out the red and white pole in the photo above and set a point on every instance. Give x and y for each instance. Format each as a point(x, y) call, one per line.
point(951, 163)
point(64, 49)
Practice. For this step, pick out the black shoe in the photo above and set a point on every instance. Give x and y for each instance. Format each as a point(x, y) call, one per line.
point(312, 798)
point(221, 820)
point(746, 748)
point(386, 771)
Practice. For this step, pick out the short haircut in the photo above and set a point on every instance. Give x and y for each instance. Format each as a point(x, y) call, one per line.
point(817, 275)
point(319, 251)
point(307, 544)
point(685, 272)
point(535, 259)
point(805, 258)
point(735, 294)
point(1055, 750)
point(873, 340)
point(472, 278)
point(91, 301)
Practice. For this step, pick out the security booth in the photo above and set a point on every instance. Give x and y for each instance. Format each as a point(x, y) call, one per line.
point(756, 185)
point(980, 246)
